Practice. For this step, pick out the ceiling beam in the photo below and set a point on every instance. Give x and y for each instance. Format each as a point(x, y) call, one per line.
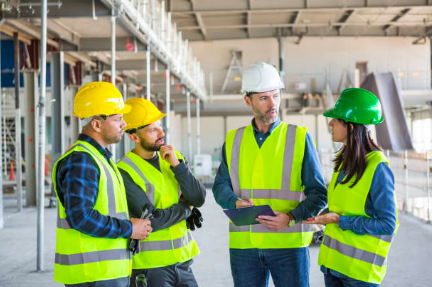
point(294, 9)
point(344, 18)
point(104, 44)
point(201, 25)
point(396, 18)
point(248, 17)
point(295, 18)
point(199, 20)
point(67, 9)
point(322, 24)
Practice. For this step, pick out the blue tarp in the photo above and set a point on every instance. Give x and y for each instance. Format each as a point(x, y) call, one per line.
point(7, 67)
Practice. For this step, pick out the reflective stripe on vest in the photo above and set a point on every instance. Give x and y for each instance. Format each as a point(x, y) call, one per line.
point(258, 228)
point(353, 252)
point(150, 189)
point(165, 244)
point(62, 222)
point(284, 193)
point(91, 257)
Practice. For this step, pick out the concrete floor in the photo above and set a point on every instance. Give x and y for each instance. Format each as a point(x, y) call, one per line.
point(409, 260)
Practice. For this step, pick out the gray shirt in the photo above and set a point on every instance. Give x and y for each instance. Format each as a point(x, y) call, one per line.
point(193, 192)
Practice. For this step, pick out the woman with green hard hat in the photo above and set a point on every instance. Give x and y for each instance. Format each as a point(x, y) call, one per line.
point(361, 219)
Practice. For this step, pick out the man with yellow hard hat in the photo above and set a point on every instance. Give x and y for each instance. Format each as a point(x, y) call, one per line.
point(158, 175)
point(93, 225)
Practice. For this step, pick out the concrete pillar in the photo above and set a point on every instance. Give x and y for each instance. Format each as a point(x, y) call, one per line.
point(281, 41)
point(168, 108)
point(1, 153)
point(113, 67)
point(198, 123)
point(30, 127)
point(75, 122)
point(18, 162)
point(148, 71)
point(123, 150)
point(57, 113)
point(189, 126)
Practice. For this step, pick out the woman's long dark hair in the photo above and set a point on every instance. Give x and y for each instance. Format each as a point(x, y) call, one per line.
point(352, 156)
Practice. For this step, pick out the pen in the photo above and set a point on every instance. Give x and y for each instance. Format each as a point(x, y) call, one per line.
point(241, 199)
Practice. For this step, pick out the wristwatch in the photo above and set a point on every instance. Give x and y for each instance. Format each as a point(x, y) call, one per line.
point(292, 221)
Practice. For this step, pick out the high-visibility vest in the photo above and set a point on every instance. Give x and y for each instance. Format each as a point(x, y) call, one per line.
point(269, 175)
point(171, 245)
point(362, 257)
point(83, 258)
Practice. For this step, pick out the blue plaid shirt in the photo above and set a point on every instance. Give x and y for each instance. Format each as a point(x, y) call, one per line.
point(78, 186)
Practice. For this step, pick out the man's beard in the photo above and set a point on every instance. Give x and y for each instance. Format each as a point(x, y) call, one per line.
point(262, 116)
point(151, 146)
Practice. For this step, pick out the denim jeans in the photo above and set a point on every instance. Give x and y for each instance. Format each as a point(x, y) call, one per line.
point(288, 267)
point(179, 275)
point(333, 278)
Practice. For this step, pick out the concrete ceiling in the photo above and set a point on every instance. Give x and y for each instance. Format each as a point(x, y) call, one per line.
point(82, 30)
point(227, 19)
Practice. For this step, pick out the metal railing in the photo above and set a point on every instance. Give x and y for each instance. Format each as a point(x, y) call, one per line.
point(412, 172)
point(150, 23)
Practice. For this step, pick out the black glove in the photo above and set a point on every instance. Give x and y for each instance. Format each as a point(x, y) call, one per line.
point(194, 219)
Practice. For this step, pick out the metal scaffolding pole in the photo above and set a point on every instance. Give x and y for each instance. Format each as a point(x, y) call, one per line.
point(281, 41)
point(1, 160)
point(189, 125)
point(123, 143)
point(168, 108)
point(113, 65)
point(41, 140)
point(75, 122)
point(148, 71)
point(57, 106)
point(31, 92)
point(18, 163)
point(198, 122)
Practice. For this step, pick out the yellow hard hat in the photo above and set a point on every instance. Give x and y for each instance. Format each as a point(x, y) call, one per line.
point(143, 113)
point(99, 98)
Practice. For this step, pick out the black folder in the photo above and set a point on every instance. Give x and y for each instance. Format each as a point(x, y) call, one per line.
point(247, 215)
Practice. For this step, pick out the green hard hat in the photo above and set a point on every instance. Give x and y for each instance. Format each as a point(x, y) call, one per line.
point(357, 106)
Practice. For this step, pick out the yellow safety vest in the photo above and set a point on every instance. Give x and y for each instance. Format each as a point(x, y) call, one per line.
point(83, 258)
point(269, 175)
point(362, 257)
point(170, 245)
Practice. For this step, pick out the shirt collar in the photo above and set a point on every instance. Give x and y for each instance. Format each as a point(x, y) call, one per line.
point(275, 124)
point(104, 151)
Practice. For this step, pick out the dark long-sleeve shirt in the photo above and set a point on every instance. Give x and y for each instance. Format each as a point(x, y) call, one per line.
point(380, 206)
point(311, 176)
point(192, 190)
point(78, 187)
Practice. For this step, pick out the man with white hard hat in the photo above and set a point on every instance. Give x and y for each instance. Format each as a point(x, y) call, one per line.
point(275, 163)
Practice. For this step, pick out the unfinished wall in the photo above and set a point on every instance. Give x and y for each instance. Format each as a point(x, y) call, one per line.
point(321, 60)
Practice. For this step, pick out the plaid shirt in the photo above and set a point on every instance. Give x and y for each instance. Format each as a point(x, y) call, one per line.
point(78, 186)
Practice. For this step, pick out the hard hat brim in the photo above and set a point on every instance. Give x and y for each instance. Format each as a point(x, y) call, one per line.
point(127, 108)
point(331, 114)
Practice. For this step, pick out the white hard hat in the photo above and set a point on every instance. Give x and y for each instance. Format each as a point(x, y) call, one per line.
point(261, 77)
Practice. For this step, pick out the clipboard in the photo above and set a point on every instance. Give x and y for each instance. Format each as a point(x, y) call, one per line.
point(247, 215)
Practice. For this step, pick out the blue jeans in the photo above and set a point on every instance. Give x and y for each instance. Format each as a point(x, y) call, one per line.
point(333, 278)
point(288, 267)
